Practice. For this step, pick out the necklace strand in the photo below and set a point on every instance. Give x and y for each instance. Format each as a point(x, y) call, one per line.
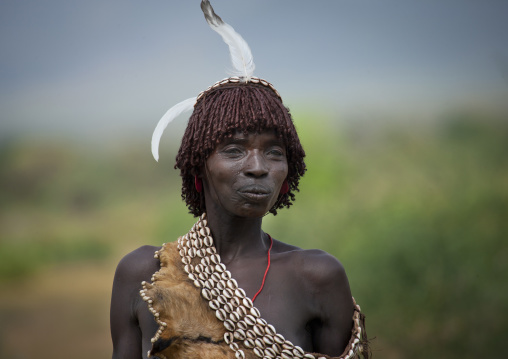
point(266, 271)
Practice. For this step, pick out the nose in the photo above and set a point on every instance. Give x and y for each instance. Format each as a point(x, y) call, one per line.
point(256, 165)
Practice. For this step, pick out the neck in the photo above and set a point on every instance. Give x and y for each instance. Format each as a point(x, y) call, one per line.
point(237, 237)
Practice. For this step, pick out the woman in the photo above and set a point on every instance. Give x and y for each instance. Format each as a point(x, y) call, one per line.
point(227, 289)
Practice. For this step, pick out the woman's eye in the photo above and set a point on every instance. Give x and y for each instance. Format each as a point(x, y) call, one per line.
point(276, 152)
point(232, 151)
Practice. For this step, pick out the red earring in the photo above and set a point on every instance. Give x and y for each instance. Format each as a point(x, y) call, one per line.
point(285, 187)
point(198, 183)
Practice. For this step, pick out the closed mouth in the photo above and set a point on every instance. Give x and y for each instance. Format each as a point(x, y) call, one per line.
point(254, 192)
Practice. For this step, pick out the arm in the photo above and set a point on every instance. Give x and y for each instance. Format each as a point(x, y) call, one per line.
point(126, 333)
point(331, 329)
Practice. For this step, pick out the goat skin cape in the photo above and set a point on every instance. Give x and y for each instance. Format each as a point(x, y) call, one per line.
point(191, 328)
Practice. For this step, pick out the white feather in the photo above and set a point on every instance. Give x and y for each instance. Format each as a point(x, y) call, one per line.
point(169, 116)
point(241, 56)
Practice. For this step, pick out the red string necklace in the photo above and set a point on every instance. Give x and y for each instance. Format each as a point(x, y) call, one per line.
point(266, 271)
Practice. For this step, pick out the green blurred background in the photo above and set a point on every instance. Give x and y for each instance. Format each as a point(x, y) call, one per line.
point(416, 213)
point(402, 110)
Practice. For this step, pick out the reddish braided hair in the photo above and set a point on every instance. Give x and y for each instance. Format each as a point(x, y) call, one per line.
point(218, 114)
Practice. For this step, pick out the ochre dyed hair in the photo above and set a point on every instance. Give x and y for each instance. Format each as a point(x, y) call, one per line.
point(217, 115)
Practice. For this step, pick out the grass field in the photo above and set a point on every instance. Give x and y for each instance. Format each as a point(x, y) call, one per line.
point(418, 215)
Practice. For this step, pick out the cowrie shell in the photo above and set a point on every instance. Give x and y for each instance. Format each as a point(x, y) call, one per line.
point(215, 277)
point(222, 299)
point(221, 285)
point(209, 284)
point(279, 339)
point(249, 319)
point(226, 274)
point(220, 267)
point(247, 302)
point(234, 317)
point(270, 353)
point(206, 294)
point(260, 343)
point(214, 304)
point(261, 322)
point(249, 343)
point(232, 284)
point(241, 311)
point(208, 241)
point(288, 345)
point(199, 268)
point(220, 314)
point(215, 258)
point(229, 325)
point(235, 301)
point(276, 348)
point(240, 334)
point(228, 337)
point(258, 352)
point(258, 329)
point(255, 312)
point(240, 293)
point(242, 325)
point(270, 329)
point(228, 293)
point(268, 340)
point(298, 352)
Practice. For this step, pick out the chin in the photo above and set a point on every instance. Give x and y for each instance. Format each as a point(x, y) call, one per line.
point(252, 211)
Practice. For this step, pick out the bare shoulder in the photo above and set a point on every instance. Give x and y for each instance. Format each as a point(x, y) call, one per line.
point(314, 266)
point(321, 271)
point(137, 265)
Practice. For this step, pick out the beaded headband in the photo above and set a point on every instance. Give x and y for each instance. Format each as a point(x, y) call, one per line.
point(236, 79)
point(243, 70)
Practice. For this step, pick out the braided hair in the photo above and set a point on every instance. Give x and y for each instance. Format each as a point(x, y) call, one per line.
point(217, 115)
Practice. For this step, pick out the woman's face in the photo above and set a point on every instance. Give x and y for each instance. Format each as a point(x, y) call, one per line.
point(244, 174)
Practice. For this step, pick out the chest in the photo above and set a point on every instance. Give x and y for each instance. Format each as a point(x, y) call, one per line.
point(283, 300)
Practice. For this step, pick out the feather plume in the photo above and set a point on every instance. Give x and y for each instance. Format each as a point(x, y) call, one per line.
point(241, 56)
point(169, 116)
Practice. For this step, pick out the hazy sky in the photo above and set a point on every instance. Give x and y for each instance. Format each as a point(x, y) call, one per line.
point(110, 66)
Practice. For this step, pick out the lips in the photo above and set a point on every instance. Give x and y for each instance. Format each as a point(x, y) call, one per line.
point(255, 192)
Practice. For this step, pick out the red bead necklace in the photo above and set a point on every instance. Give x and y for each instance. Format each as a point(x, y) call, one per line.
point(266, 271)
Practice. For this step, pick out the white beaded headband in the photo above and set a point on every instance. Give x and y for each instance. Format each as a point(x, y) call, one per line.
point(243, 70)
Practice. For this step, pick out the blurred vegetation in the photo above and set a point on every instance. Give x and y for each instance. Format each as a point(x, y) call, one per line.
point(417, 213)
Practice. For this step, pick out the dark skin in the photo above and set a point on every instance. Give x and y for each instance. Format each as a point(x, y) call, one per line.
point(306, 295)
